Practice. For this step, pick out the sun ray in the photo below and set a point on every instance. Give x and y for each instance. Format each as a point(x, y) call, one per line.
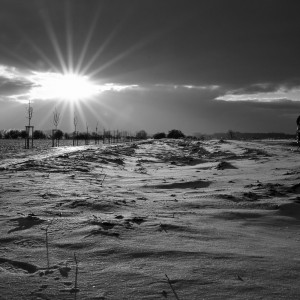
point(101, 116)
point(44, 57)
point(46, 119)
point(31, 65)
point(76, 110)
point(18, 57)
point(139, 45)
point(91, 110)
point(40, 53)
point(63, 109)
point(124, 54)
point(53, 38)
point(100, 50)
point(87, 40)
point(82, 117)
point(69, 37)
point(14, 54)
point(102, 47)
point(72, 113)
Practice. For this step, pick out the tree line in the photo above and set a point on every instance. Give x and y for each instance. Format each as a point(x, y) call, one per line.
point(39, 134)
point(21, 134)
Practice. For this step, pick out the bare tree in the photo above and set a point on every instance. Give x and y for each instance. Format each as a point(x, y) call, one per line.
point(29, 112)
point(87, 130)
point(56, 118)
point(75, 120)
point(96, 134)
point(87, 134)
point(75, 133)
point(230, 134)
point(97, 127)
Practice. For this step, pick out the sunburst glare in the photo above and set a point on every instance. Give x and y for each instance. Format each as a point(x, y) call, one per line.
point(70, 87)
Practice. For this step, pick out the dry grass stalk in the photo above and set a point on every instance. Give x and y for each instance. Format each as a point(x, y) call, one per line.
point(47, 248)
point(76, 277)
point(173, 290)
point(104, 175)
point(47, 245)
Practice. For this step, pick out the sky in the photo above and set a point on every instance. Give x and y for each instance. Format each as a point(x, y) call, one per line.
point(198, 65)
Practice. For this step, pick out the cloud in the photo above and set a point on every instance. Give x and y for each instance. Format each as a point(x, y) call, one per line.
point(13, 87)
point(114, 87)
point(185, 87)
point(264, 92)
point(256, 88)
point(13, 83)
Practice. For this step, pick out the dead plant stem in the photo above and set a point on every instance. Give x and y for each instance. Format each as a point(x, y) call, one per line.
point(173, 290)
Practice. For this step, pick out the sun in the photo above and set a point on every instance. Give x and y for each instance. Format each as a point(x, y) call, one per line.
point(74, 87)
point(69, 86)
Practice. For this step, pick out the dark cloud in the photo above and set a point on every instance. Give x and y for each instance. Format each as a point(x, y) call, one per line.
point(279, 105)
point(12, 87)
point(244, 47)
point(256, 88)
point(266, 87)
point(208, 42)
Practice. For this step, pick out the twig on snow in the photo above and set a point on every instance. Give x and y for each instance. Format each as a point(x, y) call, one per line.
point(47, 244)
point(76, 277)
point(173, 290)
point(103, 179)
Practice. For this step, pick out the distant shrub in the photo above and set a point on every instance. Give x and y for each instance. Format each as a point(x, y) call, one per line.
point(23, 134)
point(159, 135)
point(175, 134)
point(141, 135)
point(231, 134)
point(58, 134)
point(38, 134)
point(81, 135)
point(191, 137)
point(67, 136)
point(12, 134)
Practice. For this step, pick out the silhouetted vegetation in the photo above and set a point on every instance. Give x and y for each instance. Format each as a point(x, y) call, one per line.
point(141, 135)
point(159, 135)
point(230, 134)
point(252, 135)
point(58, 134)
point(23, 134)
point(119, 136)
point(67, 136)
point(175, 134)
point(38, 134)
point(14, 134)
point(191, 137)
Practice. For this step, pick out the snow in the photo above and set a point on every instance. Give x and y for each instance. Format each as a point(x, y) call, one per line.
point(220, 219)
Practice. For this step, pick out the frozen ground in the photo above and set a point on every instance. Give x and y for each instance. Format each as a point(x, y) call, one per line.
point(220, 219)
